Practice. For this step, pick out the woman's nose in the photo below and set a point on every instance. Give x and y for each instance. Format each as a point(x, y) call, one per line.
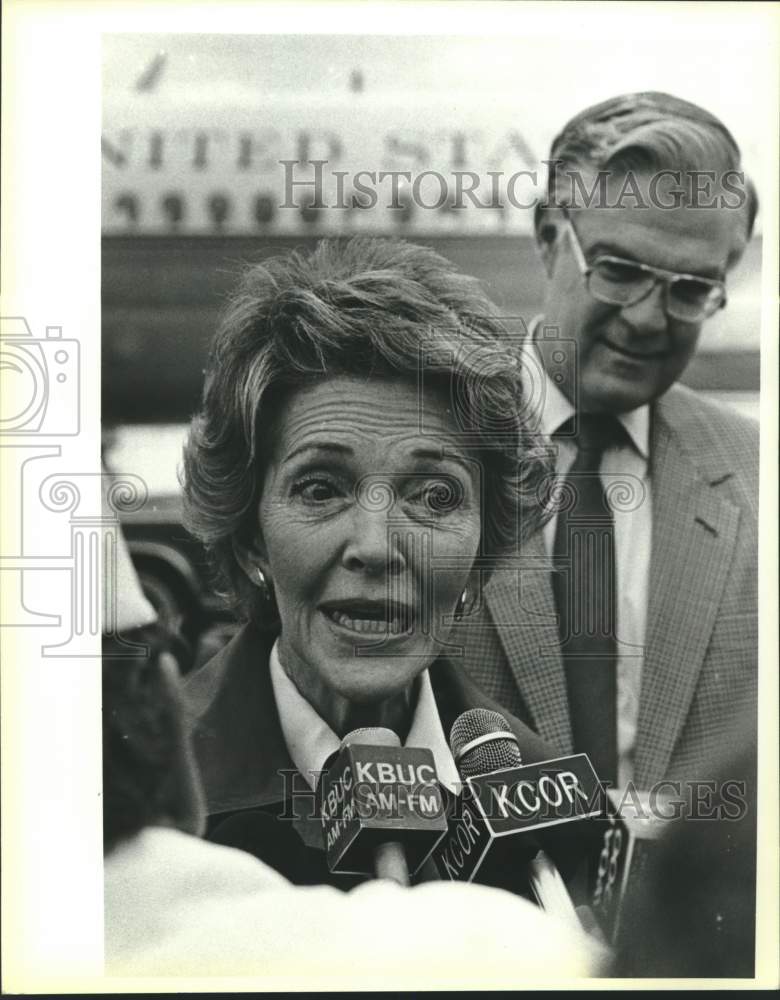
point(375, 543)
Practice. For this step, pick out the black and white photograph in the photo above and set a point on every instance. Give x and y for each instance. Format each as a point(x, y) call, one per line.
point(388, 395)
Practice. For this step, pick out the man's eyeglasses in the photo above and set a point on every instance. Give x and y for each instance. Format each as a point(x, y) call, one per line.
point(620, 282)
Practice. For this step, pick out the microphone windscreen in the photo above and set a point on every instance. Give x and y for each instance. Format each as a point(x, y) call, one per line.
point(482, 742)
point(371, 736)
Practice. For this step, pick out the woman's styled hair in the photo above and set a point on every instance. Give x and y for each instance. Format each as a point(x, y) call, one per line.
point(367, 308)
point(648, 131)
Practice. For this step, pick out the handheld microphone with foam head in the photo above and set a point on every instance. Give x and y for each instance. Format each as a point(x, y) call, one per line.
point(504, 798)
point(482, 741)
point(380, 805)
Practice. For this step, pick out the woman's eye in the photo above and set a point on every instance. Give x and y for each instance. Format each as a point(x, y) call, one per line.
point(440, 497)
point(316, 491)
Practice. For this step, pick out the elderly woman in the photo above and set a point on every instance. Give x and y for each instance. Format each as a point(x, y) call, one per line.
point(357, 462)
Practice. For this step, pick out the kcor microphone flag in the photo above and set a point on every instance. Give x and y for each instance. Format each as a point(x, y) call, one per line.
point(530, 799)
point(520, 800)
point(375, 793)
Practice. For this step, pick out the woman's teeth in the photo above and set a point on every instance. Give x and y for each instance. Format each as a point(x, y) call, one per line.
point(374, 626)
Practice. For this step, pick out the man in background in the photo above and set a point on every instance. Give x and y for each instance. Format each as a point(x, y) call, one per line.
point(630, 630)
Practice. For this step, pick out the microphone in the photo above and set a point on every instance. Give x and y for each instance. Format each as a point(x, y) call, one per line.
point(381, 806)
point(550, 890)
point(625, 850)
point(503, 797)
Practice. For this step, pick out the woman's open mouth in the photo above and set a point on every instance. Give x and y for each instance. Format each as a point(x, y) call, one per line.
point(367, 617)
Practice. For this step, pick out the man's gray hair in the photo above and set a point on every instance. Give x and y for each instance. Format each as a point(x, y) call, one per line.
point(649, 131)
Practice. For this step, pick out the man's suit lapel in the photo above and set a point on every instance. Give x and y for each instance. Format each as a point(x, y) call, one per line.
point(523, 611)
point(456, 693)
point(694, 532)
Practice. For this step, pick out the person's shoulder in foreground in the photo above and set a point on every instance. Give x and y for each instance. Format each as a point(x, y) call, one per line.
point(177, 906)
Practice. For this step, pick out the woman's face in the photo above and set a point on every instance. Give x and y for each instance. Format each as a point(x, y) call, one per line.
point(369, 522)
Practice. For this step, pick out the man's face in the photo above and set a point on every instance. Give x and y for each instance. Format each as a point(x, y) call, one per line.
point(627, 356)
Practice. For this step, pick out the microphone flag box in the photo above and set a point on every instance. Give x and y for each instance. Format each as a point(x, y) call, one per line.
point(517, 800)
point(372, 794)
point(632, 823)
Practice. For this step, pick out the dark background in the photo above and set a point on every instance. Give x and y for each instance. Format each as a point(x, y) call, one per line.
point(162, 297)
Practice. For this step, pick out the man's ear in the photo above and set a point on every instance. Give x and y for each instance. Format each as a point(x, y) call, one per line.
point(548, 226)
point(251, 557)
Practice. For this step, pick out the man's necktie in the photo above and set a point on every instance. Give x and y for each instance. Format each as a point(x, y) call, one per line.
point(585, 594)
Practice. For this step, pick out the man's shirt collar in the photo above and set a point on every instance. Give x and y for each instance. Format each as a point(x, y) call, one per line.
point(549, 409)
point(310, 740)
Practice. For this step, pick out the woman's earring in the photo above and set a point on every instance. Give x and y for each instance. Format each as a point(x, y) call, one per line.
point(261, 582)
point(266, 608)
point(460, 607)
